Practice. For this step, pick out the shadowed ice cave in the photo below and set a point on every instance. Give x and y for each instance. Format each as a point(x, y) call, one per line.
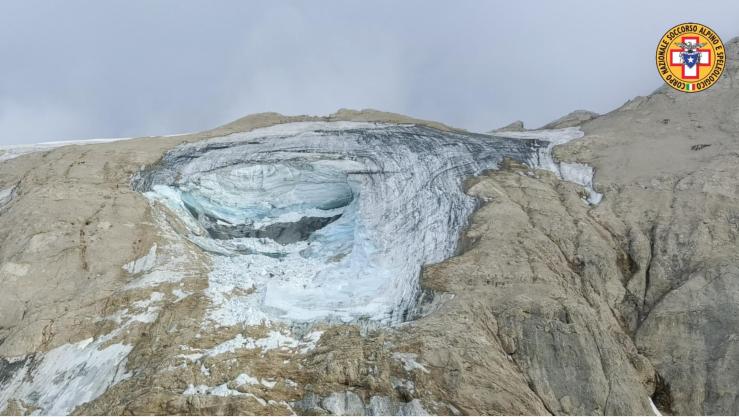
point(322, 221)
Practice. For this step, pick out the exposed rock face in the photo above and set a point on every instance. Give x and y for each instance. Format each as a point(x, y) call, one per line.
point(576, 118)
point(667, 164)
point(553, 305)
point(516, 126)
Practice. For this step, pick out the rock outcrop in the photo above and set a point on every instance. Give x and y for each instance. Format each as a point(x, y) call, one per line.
point(516, 126)
point(667, 165)
point(576, 118)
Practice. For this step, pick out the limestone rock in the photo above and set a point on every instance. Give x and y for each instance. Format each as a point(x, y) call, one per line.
point(667, 164)
point(516, 126)
point(576, 118)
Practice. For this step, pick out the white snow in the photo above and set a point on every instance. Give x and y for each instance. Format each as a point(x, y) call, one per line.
point(144, 263)
point(573, 172)
point(580, 174)
point(13, 151)
point(244, 379)
point(310, 340)
point(192, 357)
point(61, 379)
point(229, 346)
point(180, 294)
point(154, 296)
point(655, 410)
point(6, 195)
point(269, 383)
point(409, 361)
point(275, 340)
point(166, 263)
point(220, 391)
point(348, 403)
point(398, 189)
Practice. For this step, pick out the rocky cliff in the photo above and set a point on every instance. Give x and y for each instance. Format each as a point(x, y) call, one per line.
point(370, 263)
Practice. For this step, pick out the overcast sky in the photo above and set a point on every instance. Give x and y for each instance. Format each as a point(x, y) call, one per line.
point(94, 69)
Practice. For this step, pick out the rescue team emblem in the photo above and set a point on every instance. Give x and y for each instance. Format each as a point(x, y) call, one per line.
point(690, 57)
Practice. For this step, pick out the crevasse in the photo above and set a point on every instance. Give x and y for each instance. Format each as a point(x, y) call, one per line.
point(322, 221)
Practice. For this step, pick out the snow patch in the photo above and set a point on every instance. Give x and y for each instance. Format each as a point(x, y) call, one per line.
point(180, 295)
point(60, 380)
point(409, 361)
point(244, 379)
point(220, 391)
point(275, 340)
point(655, 410)
point(144, 263)
point(155, 296)
point(166, 263)
point(6, 195)
point(63, 378)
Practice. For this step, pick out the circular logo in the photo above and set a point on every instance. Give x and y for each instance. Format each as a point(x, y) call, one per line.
point(690, 57)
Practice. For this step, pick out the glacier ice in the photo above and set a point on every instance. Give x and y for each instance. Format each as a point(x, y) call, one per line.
point(568, 171)
point(324, 221)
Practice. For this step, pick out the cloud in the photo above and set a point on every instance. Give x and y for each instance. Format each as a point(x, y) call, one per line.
point(83, 68)
point(37, 122)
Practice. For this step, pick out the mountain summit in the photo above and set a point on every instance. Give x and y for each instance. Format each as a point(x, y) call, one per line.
point(372, 263)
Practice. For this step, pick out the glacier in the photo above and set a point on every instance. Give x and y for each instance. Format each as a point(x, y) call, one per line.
point(324, 221)
point(574, 172)
point(303, 222)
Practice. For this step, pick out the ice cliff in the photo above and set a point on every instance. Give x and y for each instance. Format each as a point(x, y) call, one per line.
point(301, 222)
point(325, 221)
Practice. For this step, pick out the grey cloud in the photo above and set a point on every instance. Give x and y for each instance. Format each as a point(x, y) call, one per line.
point(87, 69)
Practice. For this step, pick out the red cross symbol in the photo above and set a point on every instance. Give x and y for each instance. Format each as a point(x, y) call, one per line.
point(687, 72)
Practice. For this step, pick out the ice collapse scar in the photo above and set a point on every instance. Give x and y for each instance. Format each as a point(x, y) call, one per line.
point(325, 221)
